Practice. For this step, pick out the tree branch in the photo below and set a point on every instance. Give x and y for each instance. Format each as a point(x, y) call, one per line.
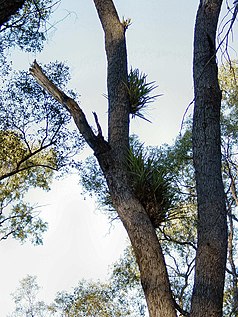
point(24, 160)
point(98, 145)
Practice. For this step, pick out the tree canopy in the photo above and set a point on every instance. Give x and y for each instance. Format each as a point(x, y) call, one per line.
point(37, 140)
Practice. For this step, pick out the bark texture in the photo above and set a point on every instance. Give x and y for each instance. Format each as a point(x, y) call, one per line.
point(212, 224)
point(8, 8)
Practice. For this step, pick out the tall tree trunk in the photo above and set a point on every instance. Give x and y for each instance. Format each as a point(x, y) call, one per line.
point(112, 157)
point(208, 289)
point(8, 8)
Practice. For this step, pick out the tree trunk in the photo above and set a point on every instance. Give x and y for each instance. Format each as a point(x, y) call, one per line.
point(210, 267)
point(154, 277)
point(112, 157)
point(8, 8)
point(145, 243)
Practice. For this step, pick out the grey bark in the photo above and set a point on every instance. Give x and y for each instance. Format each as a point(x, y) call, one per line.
point(210, 267)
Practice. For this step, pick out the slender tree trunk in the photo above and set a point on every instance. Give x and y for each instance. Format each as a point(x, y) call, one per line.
point(8, 8)
point(208, 289)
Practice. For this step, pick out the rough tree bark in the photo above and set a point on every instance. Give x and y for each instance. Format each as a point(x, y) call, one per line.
point(212, 222)
point(8, 8)
point(112, 155)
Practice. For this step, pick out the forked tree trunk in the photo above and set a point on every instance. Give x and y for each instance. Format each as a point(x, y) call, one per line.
point(208, 289)
point(112, 156)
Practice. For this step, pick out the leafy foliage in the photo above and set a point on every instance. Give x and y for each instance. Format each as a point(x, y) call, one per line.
point(125, 282)
point(37, 139)
point(228, 76)
point(120, 296)
point(31, 126)
point(151, 184)
point(17, 218)
point(26, 301)
point(139, 93)
point(27, 28)
point(90, 299)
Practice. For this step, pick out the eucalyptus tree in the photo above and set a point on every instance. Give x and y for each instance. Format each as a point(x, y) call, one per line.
point(141, 214)
point(211, 253)
point(26, 299)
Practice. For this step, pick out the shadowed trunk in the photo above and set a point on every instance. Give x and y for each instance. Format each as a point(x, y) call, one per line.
point(208, 289)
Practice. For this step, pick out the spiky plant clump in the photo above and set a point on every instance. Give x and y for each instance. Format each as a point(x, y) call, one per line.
point(139, 93)
point(151, 185)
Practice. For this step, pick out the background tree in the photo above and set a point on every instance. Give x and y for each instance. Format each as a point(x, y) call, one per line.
point(121, 295)
point(26, 299)
point(28, 153)
point(227, 78)
point(23, 23)
point(36, 140)
point(94, 299)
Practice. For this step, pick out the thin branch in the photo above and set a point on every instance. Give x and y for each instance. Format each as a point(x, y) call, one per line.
point(168, 238)
point(180, 309)
point(98, 125)
point(7, 235)
point(24, 160)
point(25, 169)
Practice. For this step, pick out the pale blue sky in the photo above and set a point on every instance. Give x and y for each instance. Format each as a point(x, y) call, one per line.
point(78, 243)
